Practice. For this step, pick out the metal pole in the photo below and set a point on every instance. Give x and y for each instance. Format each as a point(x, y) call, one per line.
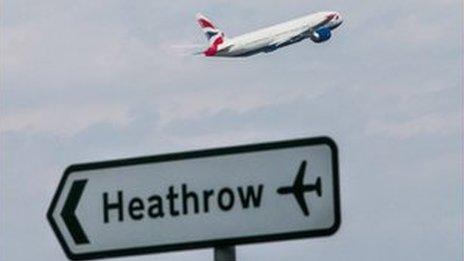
point(226, 253)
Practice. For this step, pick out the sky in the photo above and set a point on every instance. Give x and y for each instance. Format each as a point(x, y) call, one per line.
point(85, 81)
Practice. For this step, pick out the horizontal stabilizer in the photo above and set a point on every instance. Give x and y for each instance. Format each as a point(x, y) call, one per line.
point(318, 187)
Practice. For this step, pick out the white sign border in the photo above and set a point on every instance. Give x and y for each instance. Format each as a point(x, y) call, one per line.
point(192, 155)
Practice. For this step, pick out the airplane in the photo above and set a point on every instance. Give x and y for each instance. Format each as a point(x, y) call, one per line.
point(299, 188)
point(317, 27)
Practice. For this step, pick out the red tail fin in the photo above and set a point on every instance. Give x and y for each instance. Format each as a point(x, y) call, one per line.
point(213, 34)
point(212, 50)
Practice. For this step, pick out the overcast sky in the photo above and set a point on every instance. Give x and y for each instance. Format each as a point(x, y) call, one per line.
point(93, 80)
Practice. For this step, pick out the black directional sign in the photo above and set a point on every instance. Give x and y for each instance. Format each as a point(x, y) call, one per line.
point(208, 198)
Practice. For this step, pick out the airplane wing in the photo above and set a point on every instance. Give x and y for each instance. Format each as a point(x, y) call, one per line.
point(299, 192)
point(300, 176)
point(294, 35)
point(288, 37)
point(299, 196)
point(225, 47)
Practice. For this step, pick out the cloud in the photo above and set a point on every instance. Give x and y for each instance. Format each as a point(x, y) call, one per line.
point(64, 120)
point(430, 124)
point(38, 59)
point(208, 101)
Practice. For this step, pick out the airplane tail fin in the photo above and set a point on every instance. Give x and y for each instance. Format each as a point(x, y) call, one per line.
point(208, 28)
point(213, 34)
point(318, 187)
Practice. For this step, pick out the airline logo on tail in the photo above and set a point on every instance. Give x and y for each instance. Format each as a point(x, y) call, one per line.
point(298, 189)
point(214, 35)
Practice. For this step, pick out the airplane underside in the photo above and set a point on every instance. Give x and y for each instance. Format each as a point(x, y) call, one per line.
point(265, 49)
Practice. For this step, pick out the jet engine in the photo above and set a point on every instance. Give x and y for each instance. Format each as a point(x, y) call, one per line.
point(321, 35)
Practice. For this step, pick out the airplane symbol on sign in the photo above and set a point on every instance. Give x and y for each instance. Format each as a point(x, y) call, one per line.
point(299, 188)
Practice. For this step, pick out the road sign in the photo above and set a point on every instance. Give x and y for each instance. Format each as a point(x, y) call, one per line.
point(208, 198)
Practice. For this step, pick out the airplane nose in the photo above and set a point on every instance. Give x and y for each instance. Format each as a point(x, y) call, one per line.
point(338, 18)
point(335, 18)
point(333, 15)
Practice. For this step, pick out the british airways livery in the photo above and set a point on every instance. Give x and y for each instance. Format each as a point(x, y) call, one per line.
point(317, 27)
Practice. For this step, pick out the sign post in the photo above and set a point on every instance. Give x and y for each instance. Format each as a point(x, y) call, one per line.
point(224, 253)
point(210, 198)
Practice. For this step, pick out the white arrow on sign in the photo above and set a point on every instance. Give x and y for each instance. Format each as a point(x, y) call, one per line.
point(209, 198)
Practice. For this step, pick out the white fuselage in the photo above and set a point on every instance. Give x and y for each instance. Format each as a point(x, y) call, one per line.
point(274, 37)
